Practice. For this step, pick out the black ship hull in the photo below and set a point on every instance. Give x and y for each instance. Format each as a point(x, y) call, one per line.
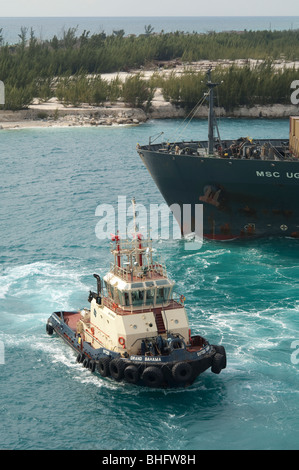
point(242, 196)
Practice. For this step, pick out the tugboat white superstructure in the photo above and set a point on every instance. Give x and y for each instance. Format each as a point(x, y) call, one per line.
point(137, 328)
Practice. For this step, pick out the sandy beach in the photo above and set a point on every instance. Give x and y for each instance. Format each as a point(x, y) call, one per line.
point(56, 114)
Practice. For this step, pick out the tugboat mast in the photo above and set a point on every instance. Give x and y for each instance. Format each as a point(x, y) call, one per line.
point(211, 86)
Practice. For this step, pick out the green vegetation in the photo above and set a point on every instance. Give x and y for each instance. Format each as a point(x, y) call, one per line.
point(238, 86)
point(70, 67)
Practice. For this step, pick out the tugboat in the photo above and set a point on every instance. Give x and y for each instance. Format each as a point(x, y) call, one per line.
point(137, 328)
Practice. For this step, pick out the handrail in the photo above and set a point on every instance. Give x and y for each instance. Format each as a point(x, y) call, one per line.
point(276, 151)
point(176, 302)
point(145, 272)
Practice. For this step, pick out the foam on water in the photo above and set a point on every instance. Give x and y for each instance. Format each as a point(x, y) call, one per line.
point(242, 296)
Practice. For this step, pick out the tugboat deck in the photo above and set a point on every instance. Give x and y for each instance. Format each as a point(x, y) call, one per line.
point(70, 318)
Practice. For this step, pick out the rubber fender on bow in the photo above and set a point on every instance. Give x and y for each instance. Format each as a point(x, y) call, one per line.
point(182, 372)
point(218, 363)
point(49, 329)
point(152, 376)
point(103, 366)
point(221, 350)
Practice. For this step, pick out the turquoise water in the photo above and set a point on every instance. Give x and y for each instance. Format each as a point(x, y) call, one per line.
point(244, 296)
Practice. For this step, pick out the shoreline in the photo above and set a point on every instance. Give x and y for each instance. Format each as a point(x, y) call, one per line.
point(42, 116)
point(55, 114)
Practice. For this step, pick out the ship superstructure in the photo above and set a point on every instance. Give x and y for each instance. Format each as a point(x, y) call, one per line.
point(139, 305)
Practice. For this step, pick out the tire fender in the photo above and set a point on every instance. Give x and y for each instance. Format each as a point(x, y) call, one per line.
point(116, 368)
point(152, 376)
point(217, 364)
point(182, 372)
point(131, 374)
point(103, 366)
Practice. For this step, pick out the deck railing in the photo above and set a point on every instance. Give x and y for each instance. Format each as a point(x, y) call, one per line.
point(140, 272)
point(176, 302)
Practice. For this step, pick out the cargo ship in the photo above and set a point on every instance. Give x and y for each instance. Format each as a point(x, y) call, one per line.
point(248, 187)
point(137, 329)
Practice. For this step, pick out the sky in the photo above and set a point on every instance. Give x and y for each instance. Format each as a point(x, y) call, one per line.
point(102, 8)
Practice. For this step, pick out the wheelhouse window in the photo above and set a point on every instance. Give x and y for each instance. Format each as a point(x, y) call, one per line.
point(127, 299)
point(137, 297)
point(163, 291)
point(108, 289)
point(162, 294)
point(150, 296)
point(121, 297)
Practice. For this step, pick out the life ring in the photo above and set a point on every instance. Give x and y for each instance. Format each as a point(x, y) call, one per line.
point(122, 342)
point(152, 376)
point(182, 372)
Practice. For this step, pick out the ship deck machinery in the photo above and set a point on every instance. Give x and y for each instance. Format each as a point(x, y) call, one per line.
point(248, 187)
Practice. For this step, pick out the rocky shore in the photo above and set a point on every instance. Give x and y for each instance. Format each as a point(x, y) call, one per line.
point(45, 115)
point(54, 113)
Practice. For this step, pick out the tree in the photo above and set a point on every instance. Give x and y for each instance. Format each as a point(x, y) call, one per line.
point(119, 33)
point(23, 36)
point(136, 92)
point(148, 29)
